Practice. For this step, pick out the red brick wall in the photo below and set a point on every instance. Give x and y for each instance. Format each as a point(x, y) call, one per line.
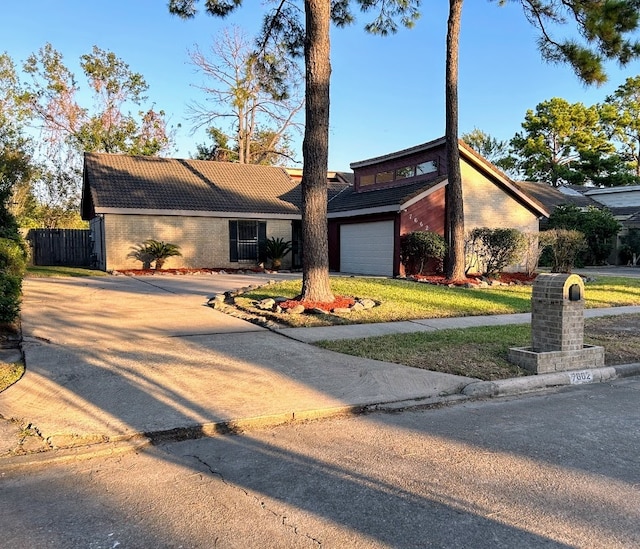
point(429, 212)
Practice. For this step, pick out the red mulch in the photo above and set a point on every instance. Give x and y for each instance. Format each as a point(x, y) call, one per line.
point(182, 271)
point(338, 302)
point(505, 278)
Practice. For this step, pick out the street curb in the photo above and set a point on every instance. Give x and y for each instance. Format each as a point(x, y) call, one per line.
point(475, 390)
point(521, 385)
point(61, 456)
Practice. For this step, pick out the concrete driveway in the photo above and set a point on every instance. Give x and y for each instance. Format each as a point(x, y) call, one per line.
point(116, 357)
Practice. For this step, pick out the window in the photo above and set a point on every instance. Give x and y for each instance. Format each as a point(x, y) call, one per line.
point(426, 167)
point(367, 180)
point(384, 177)
point(247, 240)
point(407, 171)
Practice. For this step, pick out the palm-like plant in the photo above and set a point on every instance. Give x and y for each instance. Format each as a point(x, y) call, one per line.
point(276, 249)
point(160, 251)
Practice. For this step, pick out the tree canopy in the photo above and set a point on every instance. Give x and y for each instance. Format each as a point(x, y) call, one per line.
point(247, 112)
point(45, 96)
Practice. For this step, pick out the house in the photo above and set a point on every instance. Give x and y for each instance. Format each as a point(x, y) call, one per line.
point(623, 202)
point(404, 191)
point(219, 213)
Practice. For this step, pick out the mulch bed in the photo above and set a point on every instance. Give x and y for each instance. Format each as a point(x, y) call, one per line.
point(505, 278)
point(184, 271)
point(338, 303)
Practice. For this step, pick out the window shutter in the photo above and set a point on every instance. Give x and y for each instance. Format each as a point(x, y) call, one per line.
point(262, 241)
point(233, 241)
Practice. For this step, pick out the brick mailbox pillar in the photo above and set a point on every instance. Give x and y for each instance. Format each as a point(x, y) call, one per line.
point(557, 313)
point(557, 328)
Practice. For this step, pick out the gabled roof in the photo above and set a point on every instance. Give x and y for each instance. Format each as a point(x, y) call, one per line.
point(118, 183)
point(394, 198)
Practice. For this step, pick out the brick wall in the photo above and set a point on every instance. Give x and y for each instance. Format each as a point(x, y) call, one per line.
point(487, 205)
point(203, 241)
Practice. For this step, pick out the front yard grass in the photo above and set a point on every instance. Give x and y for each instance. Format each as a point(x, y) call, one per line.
point(44, 272)
point(482, 352)
point(10, 372)
point(406, 300)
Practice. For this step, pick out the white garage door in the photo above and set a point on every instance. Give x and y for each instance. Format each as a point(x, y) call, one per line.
point(367, 248)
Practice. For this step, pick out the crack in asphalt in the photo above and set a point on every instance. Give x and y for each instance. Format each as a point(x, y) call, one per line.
point(282, 518)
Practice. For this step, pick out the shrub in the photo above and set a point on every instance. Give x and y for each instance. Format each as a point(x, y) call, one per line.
point(276, 249)
point(139, 253)
point(418, 247)
point(630, 249)
point(10, 288)
point(154, 250)
point(13, 257)
point(491, 250)
point(598, 226)
point(535, 245)
point(564, 247)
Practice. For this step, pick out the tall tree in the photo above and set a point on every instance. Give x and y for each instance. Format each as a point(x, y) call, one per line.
point(621, 115)
point(494, 150)
point(557, 139)
point(69, 129)
point(454, 261)
point(605, 30)
point(283, 26)
point(16, 164)
point(260, 115)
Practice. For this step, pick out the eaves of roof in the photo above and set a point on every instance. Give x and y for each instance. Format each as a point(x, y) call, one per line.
point(162, 184)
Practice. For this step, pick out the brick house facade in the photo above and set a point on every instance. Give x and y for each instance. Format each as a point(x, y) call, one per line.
point(402, 192)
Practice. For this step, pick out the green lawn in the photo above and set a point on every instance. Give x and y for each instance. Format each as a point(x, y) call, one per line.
point(482, 352)
point(10, 373)
point(405, 300)
point(43, 272)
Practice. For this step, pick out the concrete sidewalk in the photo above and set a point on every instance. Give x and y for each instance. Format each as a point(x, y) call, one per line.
point(358, 331)
point(115, 359)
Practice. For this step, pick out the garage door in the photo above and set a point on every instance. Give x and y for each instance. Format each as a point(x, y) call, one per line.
point(367, 248)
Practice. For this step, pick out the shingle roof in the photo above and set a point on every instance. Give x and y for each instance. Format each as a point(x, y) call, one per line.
point(152, 183)
point(348, 199)
point(550, 197)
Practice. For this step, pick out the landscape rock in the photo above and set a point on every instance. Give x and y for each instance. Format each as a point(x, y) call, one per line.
point(339, 310)
point(367, 303)
point(297, 310)
point(357, 306)
point(265, 304)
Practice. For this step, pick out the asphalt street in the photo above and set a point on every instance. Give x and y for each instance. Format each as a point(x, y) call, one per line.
point(554, 469)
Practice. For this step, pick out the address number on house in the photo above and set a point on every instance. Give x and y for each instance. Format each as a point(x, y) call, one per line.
point(585, 376)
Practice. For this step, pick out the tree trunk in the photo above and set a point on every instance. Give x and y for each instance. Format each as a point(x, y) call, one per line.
point(454, 210)
point(315, 152)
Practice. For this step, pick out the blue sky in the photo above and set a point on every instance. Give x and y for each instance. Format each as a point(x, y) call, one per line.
point(386, 93)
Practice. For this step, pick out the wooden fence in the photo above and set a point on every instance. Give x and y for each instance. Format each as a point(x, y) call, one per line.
point(64, 247)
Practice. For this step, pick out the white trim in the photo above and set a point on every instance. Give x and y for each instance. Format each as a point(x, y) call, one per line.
point(394, 208)
point(195, 213)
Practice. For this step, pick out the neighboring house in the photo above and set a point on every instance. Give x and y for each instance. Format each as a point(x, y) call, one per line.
point(402, 192)
point(623, 202)
point(219, 213)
